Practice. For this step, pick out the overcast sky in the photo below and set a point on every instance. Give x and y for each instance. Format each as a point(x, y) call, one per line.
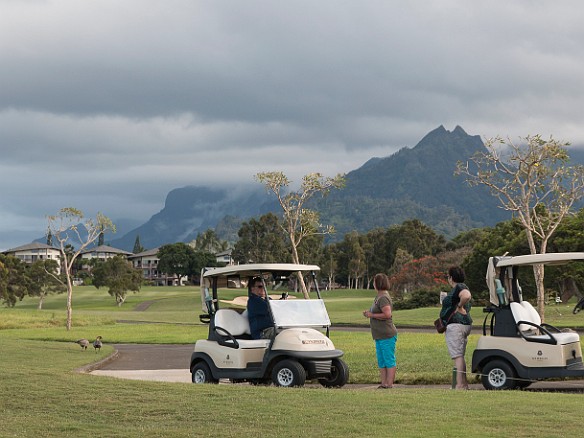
point(108, 105)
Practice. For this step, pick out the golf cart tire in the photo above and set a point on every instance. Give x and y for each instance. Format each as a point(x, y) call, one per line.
point(339, 375)
point(288, 373)
point(497, 375)
point(201, 373)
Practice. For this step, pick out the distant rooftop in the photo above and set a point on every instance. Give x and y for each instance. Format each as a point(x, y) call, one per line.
point(31, 246)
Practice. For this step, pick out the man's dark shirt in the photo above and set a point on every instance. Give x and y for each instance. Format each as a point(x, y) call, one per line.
point(258, 315)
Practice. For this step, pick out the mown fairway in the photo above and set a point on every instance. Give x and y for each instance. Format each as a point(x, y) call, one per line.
point(41, 395)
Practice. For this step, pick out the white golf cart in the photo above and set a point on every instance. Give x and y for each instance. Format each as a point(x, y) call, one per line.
point(298, 349)
point(515, 348)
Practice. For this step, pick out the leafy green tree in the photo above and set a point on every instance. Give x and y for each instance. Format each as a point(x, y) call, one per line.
point(43, 275)
point(376, 259)
point(300, 222)
point(138, 248)
point(209, 242)
point(14, 283)
point(329, 265)
point(176, 259)
point(200, 260)
point(357, 265)
point(465, 239)
point(569, 237)
point(119, 276)
point(261, 241)
point(402, 257)
point(416, 238)
point(70, 223)
point(532, 180)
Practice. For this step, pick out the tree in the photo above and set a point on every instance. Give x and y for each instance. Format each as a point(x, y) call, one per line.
point(402, 257)
point(14, 284)
point(356, 265)
point(416, 238)
point(300, 222)
point(535, 183)
point(119, 276)
point(70, 223)
point(200, 260)
point(44, 280)
point(425, 273)
point(329, 264)
point(261, 241)
point(138, 248)
point(209, 242)
point(176, 259)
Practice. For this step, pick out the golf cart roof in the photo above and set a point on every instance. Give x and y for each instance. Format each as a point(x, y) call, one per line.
point(254, 269)
point(559, 258)
point(497, 270)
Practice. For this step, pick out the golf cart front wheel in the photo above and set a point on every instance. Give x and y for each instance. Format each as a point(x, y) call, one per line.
point(498, 375)
point(202, 374)
point(339, 375)
point(288, 373)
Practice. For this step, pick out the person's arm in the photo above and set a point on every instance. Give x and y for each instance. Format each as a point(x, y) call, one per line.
point(385, 313)
point(464, 297)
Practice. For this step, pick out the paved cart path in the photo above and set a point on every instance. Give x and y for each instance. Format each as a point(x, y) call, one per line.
point(170, 363)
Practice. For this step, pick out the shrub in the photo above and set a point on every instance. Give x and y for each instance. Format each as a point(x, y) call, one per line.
point(414, 300)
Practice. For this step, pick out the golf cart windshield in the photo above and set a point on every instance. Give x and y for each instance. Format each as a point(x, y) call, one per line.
point(275, 276)
point(299, 313)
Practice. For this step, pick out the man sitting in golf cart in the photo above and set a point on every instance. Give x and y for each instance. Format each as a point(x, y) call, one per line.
point(260, 319)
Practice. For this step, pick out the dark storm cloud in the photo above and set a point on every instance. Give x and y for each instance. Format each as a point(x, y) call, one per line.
point(135, 99)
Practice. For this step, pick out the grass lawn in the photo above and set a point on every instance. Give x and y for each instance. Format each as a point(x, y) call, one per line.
point(41, 395)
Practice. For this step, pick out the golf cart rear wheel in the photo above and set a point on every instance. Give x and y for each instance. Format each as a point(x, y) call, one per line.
point(288, 373)
point(498, 375)
point(339, 375)
point(202, 374)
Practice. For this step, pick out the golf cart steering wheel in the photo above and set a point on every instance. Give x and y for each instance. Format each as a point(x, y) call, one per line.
point(231, 342)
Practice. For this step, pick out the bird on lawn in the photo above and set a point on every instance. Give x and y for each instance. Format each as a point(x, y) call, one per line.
point(84, 343)
point(97, 343)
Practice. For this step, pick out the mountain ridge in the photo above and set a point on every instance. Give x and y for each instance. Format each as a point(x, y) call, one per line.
point(416, 182)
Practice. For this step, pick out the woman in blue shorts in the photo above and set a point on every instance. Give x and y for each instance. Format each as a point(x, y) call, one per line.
point(383, 331)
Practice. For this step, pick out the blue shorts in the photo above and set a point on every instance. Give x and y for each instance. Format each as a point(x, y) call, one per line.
point(385, 349)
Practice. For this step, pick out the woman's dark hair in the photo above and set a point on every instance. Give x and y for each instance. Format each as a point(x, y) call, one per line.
point(381, 282)
point(456, 273)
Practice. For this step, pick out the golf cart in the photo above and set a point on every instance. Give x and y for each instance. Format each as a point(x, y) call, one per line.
point(297, 350)
point(516, 348)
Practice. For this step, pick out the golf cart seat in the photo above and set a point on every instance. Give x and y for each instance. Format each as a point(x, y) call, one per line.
point(531, 329)
point(230, 322)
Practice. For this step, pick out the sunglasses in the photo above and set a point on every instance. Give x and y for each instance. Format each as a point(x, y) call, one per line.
point(260, 286)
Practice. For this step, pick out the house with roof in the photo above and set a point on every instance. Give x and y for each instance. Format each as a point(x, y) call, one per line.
point(147, 261)
point(224, 257)
point(34, 251)
point(103, 252)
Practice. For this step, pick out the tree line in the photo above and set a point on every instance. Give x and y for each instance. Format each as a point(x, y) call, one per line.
point(414, 256)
